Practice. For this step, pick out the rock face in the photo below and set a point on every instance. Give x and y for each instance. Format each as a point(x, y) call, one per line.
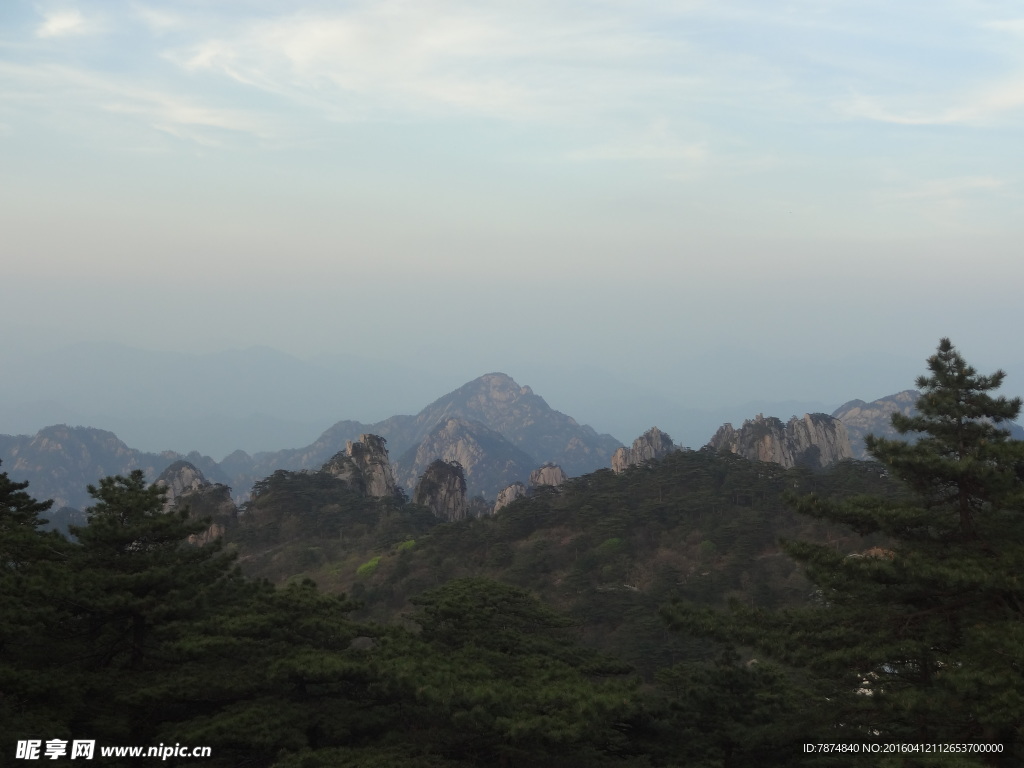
point(489, 461)
point(370, 455)
point(548, 474)
point(652, 444)
point(365, 467)
point(187, 486)
point(341, 466)
point(817, 440)
point(509, 494)
point(180, 478)
point(875, 418)
point(442, 489)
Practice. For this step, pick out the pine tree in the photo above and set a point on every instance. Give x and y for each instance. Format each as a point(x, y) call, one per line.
point(33, 693)
point(137, 589)
point(920, 640)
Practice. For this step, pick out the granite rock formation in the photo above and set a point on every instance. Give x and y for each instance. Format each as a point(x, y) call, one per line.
point(652, 444)
point(489, 461)
point(364, 467)
point(875, 418)
point(548, 474)
point(442, 489)
point(817, 440)
point(370, 455)
point(180, 478)
point(188, 487)
point(509, 494)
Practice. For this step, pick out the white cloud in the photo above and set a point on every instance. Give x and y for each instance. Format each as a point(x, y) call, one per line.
point(982, 107)
point(61, 24)
point(68, 90)
point(407, 58)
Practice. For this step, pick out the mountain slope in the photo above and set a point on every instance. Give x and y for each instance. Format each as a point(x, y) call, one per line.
point(524, 419)
point(490, 462)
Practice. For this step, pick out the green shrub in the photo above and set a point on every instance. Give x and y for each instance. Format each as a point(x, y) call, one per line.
point(368, 567)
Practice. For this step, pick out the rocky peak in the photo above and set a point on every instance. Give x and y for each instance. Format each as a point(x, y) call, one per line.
point(370, 454)
point(817, 440)
point(180, 478)
point(364, 466)
point(652, 444)
point(341, 466)
point(186, 485)
point(509, 494)
point(489, 461)
point(442, 489)
point(524, 419)
point(548, 474)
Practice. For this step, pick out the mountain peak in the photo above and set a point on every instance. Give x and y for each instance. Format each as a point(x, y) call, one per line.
point(501, 382)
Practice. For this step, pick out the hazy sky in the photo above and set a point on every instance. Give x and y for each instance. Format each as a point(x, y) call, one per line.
point(646, 187)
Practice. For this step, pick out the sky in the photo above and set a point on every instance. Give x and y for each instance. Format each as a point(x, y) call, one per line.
point(708, 202)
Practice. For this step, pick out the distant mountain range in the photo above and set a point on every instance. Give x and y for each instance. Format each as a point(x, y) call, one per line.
point(496, 429)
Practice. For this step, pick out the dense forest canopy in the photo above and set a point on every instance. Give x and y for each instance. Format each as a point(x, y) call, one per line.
point(700, 610)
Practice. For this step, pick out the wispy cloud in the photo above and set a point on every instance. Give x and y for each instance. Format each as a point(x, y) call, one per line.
point(68, 90)
point(62, 23)
point(983, 106)
point(428, 56)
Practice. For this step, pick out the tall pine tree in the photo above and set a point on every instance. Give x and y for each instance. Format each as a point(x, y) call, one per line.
point(33, 690)
point(921, 640)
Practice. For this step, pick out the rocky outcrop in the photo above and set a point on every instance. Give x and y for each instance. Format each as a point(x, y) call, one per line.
point(489, 461)
point(548, 474)
point(509, 494)
point(370, 455)
point(364, 467)
point(875, 418)
point(180, 478)
point(187, 486)
point(442, 489)
point(341, 466)
point(652, 444)
point(817, 440)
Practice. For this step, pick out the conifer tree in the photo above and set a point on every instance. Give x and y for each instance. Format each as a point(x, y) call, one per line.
point(920, 640)
point(33, 693)
point(137, 588)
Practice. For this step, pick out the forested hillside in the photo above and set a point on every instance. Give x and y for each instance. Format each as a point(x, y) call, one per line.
point(608, 549)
